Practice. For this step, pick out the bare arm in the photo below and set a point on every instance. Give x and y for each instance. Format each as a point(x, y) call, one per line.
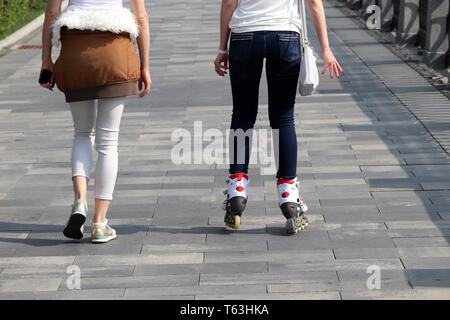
point(51, 12)
point(143, 41)
point(317, 13)
point(318, 17)
point(226, 11)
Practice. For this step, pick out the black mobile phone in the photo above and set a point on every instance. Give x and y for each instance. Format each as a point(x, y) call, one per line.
point(44, 77)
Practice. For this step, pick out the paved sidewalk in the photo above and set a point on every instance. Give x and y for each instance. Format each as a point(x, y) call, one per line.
point(372, 164)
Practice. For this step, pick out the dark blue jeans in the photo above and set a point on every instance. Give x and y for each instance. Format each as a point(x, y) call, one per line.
point(282, 51)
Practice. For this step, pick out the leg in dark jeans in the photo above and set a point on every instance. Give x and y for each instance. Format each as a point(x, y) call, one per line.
point(283, 55)
point(281, 49)
point(283, 67)
point(246, 64)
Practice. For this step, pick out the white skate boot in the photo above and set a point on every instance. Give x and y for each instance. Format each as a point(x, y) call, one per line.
point(291, 205)
point(236, 199)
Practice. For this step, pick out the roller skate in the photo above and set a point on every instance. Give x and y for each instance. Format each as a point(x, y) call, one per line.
point(236, 200)
point(292, 207)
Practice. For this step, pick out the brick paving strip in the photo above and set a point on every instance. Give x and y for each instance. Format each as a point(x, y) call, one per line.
point(372, 163)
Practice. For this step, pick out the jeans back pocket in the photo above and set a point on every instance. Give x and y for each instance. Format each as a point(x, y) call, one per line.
point(289, 44)
point(241, 46)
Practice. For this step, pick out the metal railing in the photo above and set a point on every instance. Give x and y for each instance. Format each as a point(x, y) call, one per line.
point(422, 23)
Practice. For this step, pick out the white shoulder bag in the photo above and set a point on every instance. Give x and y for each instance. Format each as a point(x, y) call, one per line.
point(309, 75)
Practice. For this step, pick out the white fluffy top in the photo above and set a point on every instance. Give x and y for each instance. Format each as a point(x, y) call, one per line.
point(116, 20)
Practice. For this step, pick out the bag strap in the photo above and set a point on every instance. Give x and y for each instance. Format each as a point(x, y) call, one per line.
point(304, 33)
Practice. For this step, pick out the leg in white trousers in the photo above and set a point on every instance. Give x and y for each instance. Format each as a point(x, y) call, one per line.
point(99, 125)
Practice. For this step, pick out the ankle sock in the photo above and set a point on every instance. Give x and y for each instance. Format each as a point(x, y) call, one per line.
point(100, 224)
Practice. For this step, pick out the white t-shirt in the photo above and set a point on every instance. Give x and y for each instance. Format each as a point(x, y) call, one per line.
point(96, 4)
point(258, 15)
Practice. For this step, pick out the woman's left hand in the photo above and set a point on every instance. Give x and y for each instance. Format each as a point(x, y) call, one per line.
point(331, 62)
point(50, 66)
point(145, 80)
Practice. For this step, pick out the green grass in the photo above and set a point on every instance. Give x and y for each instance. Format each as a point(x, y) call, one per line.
point(26, 17)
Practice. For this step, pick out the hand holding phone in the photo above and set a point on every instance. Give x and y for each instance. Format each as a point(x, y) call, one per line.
point(45, 76)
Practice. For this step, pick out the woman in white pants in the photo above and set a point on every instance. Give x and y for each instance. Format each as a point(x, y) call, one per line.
point(97, 68)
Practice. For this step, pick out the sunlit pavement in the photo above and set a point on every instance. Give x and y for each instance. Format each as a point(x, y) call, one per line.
point(373, 167)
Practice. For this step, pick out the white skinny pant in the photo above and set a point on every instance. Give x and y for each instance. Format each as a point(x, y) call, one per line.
point(101, 125)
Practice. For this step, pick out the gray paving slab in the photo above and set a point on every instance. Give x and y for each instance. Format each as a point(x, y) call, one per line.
point(110, 282)
point(156, 258)
point(421, 242)
point(425, 252)
point(343, 285)
point(426, 263)
point(344, 264)
point(210, 268)
point(62, 271)
point(373, 166)
point(409, 294)
point(195, 290)
point(95, 294)
point(322, 295)
point(267, 278)
point(365, 253)
point(18, 285)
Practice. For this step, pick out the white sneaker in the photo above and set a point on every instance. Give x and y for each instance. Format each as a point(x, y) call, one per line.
point(75, 225)
point(101, 234)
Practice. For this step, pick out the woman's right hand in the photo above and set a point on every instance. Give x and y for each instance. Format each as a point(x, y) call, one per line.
point(146, 80)
point(221, 64)
point(331, 62)
point(48, 65)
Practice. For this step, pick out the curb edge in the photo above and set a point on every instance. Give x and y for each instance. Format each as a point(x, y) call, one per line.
point(26, 29)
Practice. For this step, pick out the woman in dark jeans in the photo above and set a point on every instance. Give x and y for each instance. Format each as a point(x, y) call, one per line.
point(266, 29)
